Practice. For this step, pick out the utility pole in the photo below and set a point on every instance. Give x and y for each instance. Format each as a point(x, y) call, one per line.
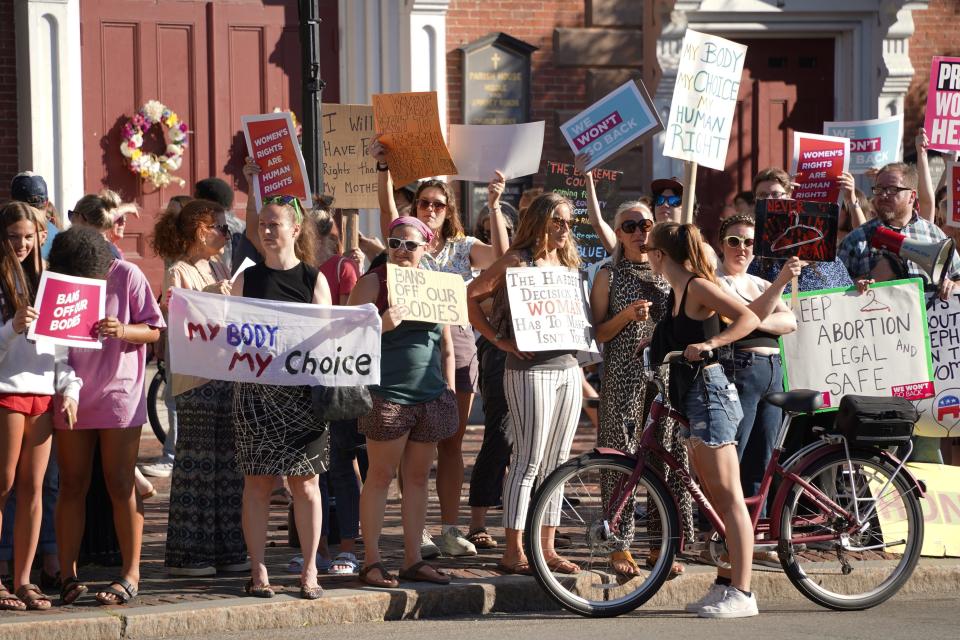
point(312, 139)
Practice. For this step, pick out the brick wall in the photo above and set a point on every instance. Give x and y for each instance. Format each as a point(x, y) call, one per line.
point(8, 99)
point(935, 35)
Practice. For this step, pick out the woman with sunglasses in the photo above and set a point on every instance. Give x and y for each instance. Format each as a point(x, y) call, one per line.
point(450, 251)
point(667, 199)
point(204, 532)
point(628, 300)
point(414, 407)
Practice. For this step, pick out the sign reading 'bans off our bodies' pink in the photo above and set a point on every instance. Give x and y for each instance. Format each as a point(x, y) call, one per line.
point(942, 121)
point(818, 162)
point(68, 310)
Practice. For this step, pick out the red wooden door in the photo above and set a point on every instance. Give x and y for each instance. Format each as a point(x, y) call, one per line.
point(787, 86)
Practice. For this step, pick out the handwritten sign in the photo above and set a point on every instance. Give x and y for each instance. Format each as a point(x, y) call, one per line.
point(953, 193)
point(818, 162)
point(68, 310)
point(704, 99)
point(272, 142)
point(787, 228)
point(349, 172)
point(873, 143)
point(410, 124)
point(564, 179)
point(549, 309)
point(430, 296)
point(268, 342)
point(480, 149)
point(612, 124)
point(943, 104)
point(875, 344)
point(940, 414)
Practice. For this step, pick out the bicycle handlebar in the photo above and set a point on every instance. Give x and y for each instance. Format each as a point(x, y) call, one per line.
point(672, 356)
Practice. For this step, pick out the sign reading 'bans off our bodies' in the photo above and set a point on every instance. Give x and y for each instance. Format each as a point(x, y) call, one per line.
point(268, 342)
point(69, 310)
point(349, 172)
point(818, 162)
point(943, 104)
point(272, 142)
point(410, 124)
point(875, 344)
point(549, 309)
point(429, 296)
point(704, 99)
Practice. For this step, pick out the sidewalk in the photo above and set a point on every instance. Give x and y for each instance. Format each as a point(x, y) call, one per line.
point(182, 606)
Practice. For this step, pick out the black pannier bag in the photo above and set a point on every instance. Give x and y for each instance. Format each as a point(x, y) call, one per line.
point(876, 421)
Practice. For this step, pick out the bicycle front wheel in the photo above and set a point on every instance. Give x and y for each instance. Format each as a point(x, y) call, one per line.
point(575, 499)
point(864, 565)
point(154, 399)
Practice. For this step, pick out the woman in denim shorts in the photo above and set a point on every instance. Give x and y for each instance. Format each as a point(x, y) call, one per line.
point(708, 399)
point(414, 407)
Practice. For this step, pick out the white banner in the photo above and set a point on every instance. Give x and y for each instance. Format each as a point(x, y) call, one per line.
point(549, 309)
point(875, 344)
point(268, 342)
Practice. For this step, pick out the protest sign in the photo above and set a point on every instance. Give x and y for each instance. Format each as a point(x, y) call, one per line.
point(818, 162)
point(480, 149)
point(787, 228)
point(704, 99)
point(549, 309)
point(272, 142)
point(565, 180)
point(269, 342)
point(940, 415)
point(875, 344)
point(953, 193)
point(349, 172)
point(410, 124)
point(873, 143)
point(68, 310)
point(942, 121)
point(612, 124)
point(941, 509)
point(430, 296)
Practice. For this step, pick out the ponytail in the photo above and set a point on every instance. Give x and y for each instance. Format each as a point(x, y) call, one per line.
point(685, 246)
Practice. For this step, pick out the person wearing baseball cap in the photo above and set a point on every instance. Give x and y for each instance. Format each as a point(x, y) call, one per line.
point(32, 188)
point(667, 199)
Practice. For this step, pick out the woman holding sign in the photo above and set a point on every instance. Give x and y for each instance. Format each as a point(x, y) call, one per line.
point(450, 251)
point(543, 388)
point(413, 408)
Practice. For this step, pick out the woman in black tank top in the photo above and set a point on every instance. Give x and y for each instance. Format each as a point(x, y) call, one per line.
point(709, 401)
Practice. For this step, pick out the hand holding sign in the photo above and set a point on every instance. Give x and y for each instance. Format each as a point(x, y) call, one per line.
point(23, 318)
point(410, 126)
point(69, 409)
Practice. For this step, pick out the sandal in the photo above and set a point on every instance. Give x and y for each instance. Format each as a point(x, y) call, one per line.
point(33, 598)
point(10, 602)
point(123, 595)
point(386, 580)
point(345, 564)
point(413, 574)
point(624, 558)
point(675, 570)
point(71, 590)
point(559, 565)
point(311, 593)
point(481, 539)
point(520, 568)
point(258, 590)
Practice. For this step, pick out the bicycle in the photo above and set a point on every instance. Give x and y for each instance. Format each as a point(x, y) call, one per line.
point(155, 393)
point(846, 520)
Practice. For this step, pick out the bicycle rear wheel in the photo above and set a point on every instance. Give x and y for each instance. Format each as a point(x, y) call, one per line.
point(598, 591)
point(862, 566)
point(154, 400)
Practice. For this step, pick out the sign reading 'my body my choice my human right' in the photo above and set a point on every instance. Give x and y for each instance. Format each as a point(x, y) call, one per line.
point(272, 142)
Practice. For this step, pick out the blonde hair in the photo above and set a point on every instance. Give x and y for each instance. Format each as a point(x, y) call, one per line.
point(629, 205)
point(685, 246)
point(531, 234)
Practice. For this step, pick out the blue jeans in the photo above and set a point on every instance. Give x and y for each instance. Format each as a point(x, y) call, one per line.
point(48, 538)
point(713, 409)
point(755, 376)
point(345, 445)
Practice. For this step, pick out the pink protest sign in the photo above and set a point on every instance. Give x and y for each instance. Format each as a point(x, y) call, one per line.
point(818, 162)
point(953, 194)
point(69, 309)
point(942, 121)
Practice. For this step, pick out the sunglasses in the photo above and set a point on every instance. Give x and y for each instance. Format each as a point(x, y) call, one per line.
point(673, 201)
point(121, 220)
point(223, 229)
point(734, 242)
point(561, 223)
point(291, 201)
point(436, 205)
point(629, 226)
point(408, 245)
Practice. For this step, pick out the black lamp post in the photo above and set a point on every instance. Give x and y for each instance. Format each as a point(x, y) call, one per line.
point(312, 139)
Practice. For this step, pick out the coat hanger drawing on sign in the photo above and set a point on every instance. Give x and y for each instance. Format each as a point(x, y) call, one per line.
point(817, 235)
point(872, 304)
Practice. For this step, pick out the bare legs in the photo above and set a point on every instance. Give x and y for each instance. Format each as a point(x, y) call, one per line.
point(450, 464)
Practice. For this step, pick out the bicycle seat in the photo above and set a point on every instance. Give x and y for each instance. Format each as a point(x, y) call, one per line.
point(796, 401)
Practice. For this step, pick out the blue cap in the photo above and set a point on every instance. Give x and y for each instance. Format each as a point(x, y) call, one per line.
point(30, 188)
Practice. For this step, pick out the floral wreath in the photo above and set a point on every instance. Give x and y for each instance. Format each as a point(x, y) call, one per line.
point(150, 166)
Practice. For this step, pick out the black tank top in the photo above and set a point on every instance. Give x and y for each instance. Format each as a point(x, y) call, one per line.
point(291, 285)
point(755, 338)
point(686, 330)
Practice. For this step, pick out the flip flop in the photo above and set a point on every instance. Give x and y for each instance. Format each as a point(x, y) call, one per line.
point(675, 570)
point(521, 568)
point(559, 565)
point(624, 557)
point(345, 564)
point(412, 573)
point(33, 597)
point(482, 539)
point(123, 595)
point(386, 581)
point(10, 602)
point(71, 590)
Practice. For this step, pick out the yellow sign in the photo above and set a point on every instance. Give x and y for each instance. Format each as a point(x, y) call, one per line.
point(941, 508)
point(430, 296)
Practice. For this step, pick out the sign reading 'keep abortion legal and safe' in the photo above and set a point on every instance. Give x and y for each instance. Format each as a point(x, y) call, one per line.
point(69, 310)
point(549, 309)
point(273, 145)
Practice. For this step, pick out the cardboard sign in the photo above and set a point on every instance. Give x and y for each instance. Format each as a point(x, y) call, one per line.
point(549, 309)
point(873, 143)
point(942, 121)
point(410, 124)
point(272, 142)
point(940, 415)
point(612, 124)
point(787, 228)
point(953, 193)
point(349, 172)
point(68, 310)
point(480, 149)
point(704, 99)
point(941, 509)
point(269, 342)
point(430, 296)
point(875, 344)
point(565, 180)
point(818, 162)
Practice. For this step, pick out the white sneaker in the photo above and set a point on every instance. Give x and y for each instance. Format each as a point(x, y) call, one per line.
point(159, 469)
point(733, 605)
point(454, 544)
point(192, 572)
point(714, 595)
point(427, 547)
